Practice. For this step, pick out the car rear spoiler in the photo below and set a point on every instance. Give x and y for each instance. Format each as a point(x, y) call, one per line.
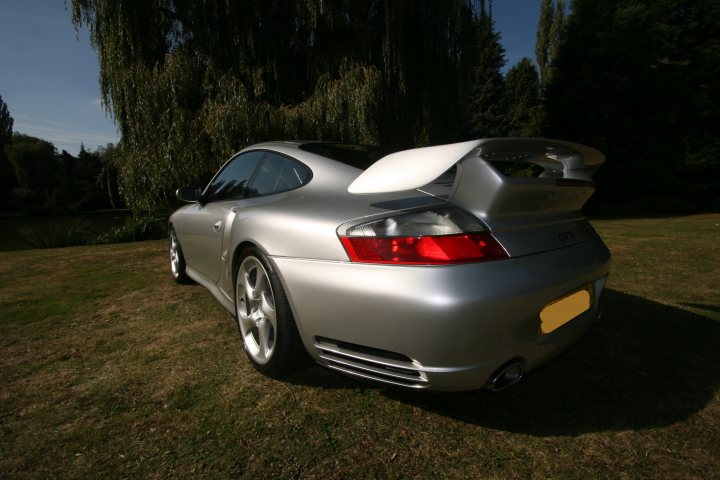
point(415, 168)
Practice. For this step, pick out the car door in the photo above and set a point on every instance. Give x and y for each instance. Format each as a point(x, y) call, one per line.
point(203, 233)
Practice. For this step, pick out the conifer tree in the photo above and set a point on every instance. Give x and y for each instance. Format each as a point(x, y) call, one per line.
point(543, 38)
point(523, 110)
point(486, 95)
point(641, 81)
point(548, 36)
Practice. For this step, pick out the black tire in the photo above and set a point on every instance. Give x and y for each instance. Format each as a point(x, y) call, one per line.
point(177, 260)
point(273, 349)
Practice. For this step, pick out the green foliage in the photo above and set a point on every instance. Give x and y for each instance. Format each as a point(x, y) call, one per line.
point(62, 233)
point(189, 83)
point(486, 94)
point(548, 36)
point(543, 38)
point(36, 169)
point(640, 80)
point(47, 182)
point(6, 124)
point(556, 30)
point(136, 229)
point(7, 179)
point(523, 114)
point(108, 179)
point(500, 106)
point(81, 180)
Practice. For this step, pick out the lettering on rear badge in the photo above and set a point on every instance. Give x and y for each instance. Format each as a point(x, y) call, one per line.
point(564, 236)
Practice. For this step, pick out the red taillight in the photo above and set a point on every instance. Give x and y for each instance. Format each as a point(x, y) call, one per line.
point(427, 250)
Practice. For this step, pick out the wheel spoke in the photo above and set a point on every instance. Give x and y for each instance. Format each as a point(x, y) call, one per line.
point(247, 323)
point(260, 282)
point(264, 329)
point(250, 299)
point(268, 310)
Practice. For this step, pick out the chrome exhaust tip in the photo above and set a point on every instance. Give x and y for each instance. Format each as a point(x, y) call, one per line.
point(505, 376)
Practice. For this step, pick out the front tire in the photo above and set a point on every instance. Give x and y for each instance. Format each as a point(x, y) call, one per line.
point(266, 324)
point(177, 260)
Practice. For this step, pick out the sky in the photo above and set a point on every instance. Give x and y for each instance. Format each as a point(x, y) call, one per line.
point(49, 75)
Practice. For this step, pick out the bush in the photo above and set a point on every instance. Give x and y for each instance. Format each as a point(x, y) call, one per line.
point(62, 233)
point(147, 227)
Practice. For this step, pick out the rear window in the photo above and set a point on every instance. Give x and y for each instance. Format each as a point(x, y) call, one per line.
point(358, 156)
point(278, 173)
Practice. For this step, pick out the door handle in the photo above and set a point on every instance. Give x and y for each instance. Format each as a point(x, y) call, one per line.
point(217, 226)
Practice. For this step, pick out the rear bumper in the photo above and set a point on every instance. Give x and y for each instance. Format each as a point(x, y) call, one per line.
point(439, 327)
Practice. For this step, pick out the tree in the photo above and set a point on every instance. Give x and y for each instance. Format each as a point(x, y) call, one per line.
point(89, 181)
point(6, 130)
point(522, 101)
point(486, 94)
point(36, 169)
point(188, 83)
point(641, 81)
point(558, 22)
point(548, 36)
point(543, 38)
point(110, 156)
point(46, 182)
point(6, 124)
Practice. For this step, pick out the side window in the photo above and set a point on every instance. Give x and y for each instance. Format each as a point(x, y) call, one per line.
point(278, 173)
point(232, 181)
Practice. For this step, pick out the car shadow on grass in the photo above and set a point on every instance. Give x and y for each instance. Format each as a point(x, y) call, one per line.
point(643, 365)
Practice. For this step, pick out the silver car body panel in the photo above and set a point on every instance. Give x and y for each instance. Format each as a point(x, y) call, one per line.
point(442, 327)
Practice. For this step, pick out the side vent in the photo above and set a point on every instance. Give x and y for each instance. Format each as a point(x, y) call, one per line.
point(371, 363)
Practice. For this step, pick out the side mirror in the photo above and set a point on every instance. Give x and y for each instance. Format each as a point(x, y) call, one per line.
point(188, 194)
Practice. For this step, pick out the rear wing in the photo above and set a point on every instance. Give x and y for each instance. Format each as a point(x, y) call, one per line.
point(503, 180)
point(411, 169)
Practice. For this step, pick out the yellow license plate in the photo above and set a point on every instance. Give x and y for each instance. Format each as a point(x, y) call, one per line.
point(559, 312)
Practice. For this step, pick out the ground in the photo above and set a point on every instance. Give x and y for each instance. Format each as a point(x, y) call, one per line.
point(109, 369)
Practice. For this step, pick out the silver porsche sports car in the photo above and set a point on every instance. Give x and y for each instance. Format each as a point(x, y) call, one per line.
point(451, 267)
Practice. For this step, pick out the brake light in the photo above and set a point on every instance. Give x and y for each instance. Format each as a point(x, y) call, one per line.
point(446, 236)
point(445, 249)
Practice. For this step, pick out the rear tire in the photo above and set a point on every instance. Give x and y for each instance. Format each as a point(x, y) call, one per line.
point(266, 324)
point(177, 260)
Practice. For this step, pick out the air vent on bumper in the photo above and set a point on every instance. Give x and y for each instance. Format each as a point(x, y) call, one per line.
point(371, 363)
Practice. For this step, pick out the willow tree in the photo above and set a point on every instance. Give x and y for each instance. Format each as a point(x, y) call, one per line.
point(189, 82)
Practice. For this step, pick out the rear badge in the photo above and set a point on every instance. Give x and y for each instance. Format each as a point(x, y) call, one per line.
point(559, 312)
point(563, 236)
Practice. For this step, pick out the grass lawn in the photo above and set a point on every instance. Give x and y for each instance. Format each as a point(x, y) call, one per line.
point(108, 370)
